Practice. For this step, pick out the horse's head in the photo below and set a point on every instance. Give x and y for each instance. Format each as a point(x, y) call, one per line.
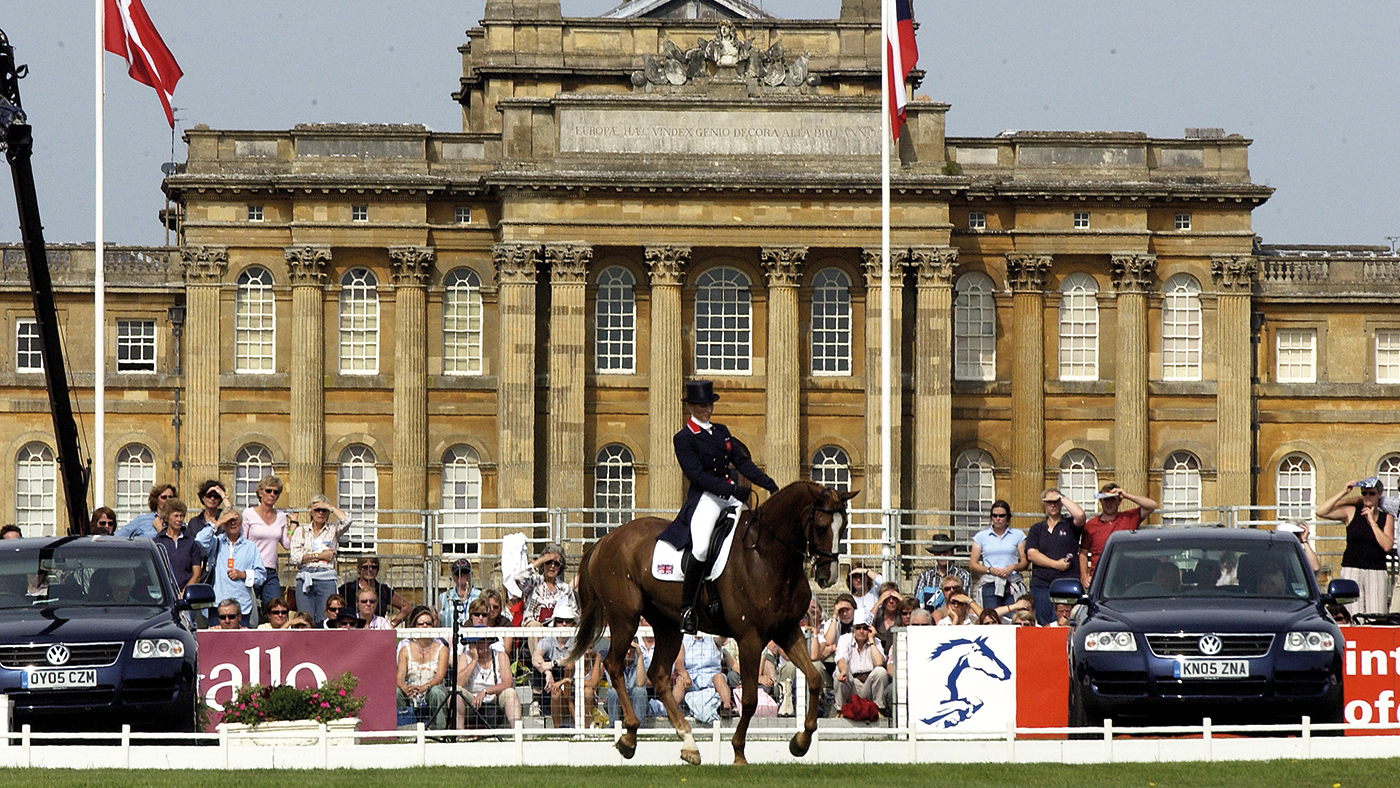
point(826, 528)
point(984, 659)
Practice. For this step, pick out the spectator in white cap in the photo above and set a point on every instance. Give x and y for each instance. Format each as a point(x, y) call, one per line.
point(860, 665)
point(1370, 538)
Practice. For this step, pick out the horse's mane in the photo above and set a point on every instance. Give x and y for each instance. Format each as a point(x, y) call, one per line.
point(948, 645)
point(758, 510)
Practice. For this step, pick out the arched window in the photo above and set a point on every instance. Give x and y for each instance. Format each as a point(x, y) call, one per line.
point(1079, 477)
point(974, 489)
point(359, 322)
point(615, 322)
point(1079, 328)
point(723, 322)
point(135, 476)
point(1181, 489)
point(1388, 471)
point(250, 465)
point(36, 487)
point(831, 322)
point(1181, 328)
point(255, 322)
point(357, 492)
point(1294, 487)
point(831, 467)
point(613, 486)
point(461, 501)
point(974, 328)
point(461, 322)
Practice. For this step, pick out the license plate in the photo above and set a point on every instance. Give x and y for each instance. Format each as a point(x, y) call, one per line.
point(1211, 669)
point(59, 678)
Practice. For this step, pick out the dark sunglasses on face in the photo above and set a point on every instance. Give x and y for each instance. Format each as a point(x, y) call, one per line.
point(375, 567)
point(277, 612)
point(228, 616)
point(553, 563)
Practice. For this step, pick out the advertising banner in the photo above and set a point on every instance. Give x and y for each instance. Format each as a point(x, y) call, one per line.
point(962, 678)
point(1372, 676)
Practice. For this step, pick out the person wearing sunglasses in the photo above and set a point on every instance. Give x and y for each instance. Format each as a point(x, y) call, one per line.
point(145, 525)
point(454, 601)
point(543, 587)
point(228, 615)
point(276, 615)
point(268, 527)
point(366, 603)
point(422, 668)
point(999, 555)
point(1370, 538)
point(103, 522)
point(313, 552)
point(334, 604)
point(927, 586)
point(367, 579)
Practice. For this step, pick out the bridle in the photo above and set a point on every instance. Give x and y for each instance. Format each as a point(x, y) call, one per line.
point(809, 549)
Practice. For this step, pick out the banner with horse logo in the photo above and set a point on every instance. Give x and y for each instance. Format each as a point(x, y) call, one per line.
point(962, 679)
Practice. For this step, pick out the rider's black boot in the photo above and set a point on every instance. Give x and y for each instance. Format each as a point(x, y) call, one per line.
point(690, 588)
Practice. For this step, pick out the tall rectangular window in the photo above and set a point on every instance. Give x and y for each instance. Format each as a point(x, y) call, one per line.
point(1387, 355)
point(27, 355)
point(136, 346)
point(974, 328)
point(254, 322)
point(1079, 328)
point(1296, 355)
point(359, 323)
point(461, 323)
point(831, 323)
point(615, 322)
point(1181, 328)
point(723, 314)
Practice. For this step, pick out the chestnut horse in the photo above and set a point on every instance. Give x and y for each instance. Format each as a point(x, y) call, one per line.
point(763, 592)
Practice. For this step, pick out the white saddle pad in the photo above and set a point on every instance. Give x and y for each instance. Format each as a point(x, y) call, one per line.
point(666, 560)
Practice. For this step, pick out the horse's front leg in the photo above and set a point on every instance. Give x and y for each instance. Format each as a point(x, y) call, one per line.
point(796, 648)
point(750, 655)
point(615, 663)
point(668, 645)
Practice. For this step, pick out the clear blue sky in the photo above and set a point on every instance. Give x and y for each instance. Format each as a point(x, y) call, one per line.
point(1313, 84)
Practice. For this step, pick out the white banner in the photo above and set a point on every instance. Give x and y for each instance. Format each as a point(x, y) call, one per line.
point(962, 678)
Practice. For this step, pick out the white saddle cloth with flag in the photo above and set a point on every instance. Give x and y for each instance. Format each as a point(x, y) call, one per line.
point(666, 560)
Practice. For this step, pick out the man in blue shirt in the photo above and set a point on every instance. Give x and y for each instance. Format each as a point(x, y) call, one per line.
point(235, 563)
point(146, 525)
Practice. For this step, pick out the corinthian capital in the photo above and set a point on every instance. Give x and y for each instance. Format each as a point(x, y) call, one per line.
point(307, 263)
point(1132, 272)
point(934, 265)
point(1234, 271)
point(568, 263)
point(1027, 271)
point(870, 262)
point(666, 263)
point(516, 263)
point(412, 264)
point(783, 264)
point(204, 264)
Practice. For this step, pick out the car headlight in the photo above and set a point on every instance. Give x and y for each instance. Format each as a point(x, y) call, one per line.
point(1308, 641)
point(1110, 641)
point(157, 648)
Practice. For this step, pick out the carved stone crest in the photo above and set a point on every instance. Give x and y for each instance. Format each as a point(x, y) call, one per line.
point(725, 54)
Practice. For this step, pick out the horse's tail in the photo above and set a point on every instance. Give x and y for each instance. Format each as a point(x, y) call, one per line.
point(590, 607)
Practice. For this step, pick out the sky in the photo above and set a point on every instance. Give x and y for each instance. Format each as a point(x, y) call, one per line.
point(1314, 85)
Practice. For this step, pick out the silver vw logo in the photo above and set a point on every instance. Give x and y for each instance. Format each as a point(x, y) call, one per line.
point(1209, 645)
point(58, 654)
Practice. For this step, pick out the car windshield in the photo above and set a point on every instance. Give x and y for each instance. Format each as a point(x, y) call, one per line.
point(1243, 568)
point(78, 575)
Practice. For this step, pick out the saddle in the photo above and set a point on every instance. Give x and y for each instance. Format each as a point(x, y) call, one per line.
point(666, 557)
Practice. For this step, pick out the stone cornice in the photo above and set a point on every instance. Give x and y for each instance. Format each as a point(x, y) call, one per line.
point(783, 264)
point(1132, 271)
point(204, 265)
point(1234, 272)
point(516, 263)
point(935, 265)
point(568, 262)
point(666, 264)
point(412, 265)
point(1026, 272)
point(307, 263)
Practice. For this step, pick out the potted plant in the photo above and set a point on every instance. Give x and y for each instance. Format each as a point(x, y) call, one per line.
point(282, 710)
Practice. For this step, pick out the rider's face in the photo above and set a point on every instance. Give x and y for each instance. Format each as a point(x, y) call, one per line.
point(701, 412)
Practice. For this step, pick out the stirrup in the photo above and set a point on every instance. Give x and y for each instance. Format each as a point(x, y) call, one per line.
point(688, 623)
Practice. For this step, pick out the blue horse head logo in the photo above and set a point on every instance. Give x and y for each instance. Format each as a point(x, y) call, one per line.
point(963, 654)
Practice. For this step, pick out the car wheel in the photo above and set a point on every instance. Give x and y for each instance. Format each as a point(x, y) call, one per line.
point(1079, 716)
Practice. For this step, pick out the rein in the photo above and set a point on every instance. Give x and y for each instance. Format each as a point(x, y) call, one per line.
point(808, 549)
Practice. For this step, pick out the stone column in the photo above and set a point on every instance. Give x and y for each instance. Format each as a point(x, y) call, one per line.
point(515, 406)
point(1026, 275)
point(205, 267)
point(307, 265)
point(568, 270)
point(870, 258)
point(933, 376)
point(1132, 277)
point(667, 264)
point(411, 268)
point(783, 266)
point(1234, 278)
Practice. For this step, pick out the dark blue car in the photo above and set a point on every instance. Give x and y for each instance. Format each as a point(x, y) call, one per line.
point(94, 635)
point(1181, 624)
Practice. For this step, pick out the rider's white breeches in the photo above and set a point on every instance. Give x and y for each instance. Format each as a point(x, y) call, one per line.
point(702, 522)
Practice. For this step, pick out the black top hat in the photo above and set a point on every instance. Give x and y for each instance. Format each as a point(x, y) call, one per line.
point(699, 392)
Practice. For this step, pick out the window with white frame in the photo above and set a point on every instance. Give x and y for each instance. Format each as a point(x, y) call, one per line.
point(1388, 471)
point(136, 346)
point(359, 213)
point(831, 322)
point(974, 328)
point(615, 322)
point(1181, 489)
point(28, 357)
point(254, 322)
point(461, 322)
point(1183, 221)
point(1079, 328)
point(463, 215)
point(1294, 484)
point(1079, 477)
point(723, 322)
point(1387, 355)
point(36, 490)
point(1081, 220)
point(357, 492)
point(974, 489)
point(613, 487)
point(831, 467)
point(976, 220)
point(359, 322)
point(1295, 355)
point(134, 478)
point(1181, 328)
point(255, 213)
point(251, 464)
point(460, 521)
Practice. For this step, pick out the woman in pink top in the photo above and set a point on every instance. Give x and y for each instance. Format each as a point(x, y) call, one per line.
point(266, 527)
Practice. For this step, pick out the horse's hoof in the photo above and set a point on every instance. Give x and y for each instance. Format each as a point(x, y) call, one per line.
point(691, 757)
point(799, 745)
point(740, 760)
point(627, 750)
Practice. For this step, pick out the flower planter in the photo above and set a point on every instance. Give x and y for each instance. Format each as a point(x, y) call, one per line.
point(288, 733)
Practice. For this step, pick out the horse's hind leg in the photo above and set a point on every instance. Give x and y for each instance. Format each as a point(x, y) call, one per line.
point(623, 629)
point(796, 648)
point(750, 657)
point(668, 645)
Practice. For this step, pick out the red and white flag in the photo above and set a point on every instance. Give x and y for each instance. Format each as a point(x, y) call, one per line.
point(903, 54)
point(127, 31)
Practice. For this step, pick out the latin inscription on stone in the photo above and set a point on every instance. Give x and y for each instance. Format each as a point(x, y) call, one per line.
point(734, 133)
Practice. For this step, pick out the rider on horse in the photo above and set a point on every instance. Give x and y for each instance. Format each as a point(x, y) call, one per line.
point(708, 456)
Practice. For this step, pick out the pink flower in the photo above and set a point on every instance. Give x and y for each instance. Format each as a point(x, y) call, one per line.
point(342, 693)
point(325, 705)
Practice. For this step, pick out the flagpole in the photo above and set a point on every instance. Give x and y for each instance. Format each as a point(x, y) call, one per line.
point(886, 308)
point(99, 354)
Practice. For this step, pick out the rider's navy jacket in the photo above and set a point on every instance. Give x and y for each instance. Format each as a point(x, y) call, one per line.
point(709, 460)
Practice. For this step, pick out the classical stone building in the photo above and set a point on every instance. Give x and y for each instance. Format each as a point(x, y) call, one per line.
point(503, 317)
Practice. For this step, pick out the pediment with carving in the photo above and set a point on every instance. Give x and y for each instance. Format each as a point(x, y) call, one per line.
point(727, 57)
